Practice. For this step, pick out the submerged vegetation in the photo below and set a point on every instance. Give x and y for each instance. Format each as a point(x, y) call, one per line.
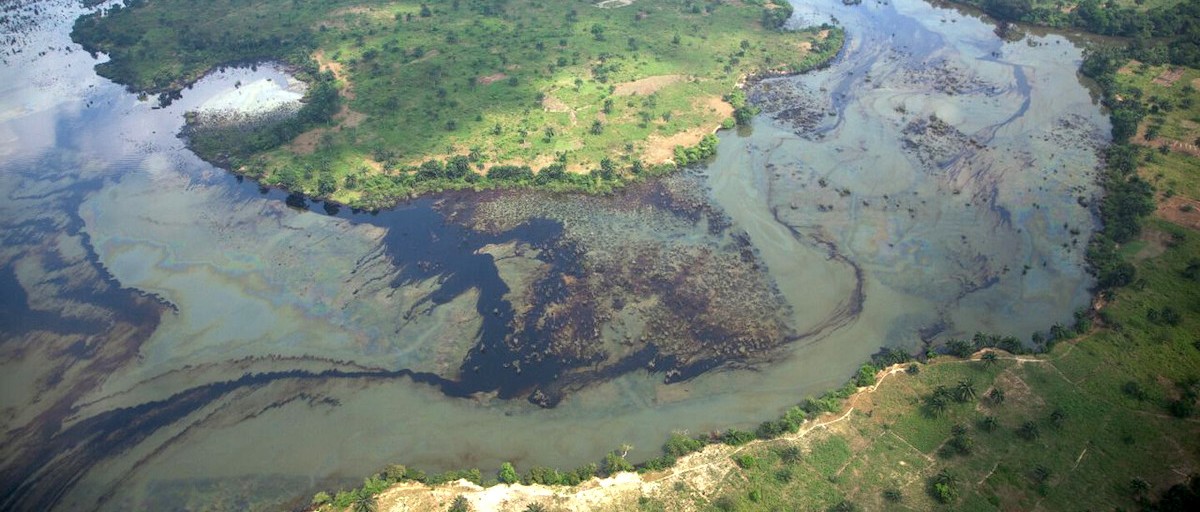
point(453, 94)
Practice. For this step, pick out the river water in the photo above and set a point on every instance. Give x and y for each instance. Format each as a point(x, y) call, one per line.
point(171, 337)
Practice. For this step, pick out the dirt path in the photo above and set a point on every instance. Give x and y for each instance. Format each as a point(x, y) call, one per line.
point(307, 142)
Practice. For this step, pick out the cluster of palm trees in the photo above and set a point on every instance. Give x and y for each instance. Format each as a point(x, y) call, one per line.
point(939, 401)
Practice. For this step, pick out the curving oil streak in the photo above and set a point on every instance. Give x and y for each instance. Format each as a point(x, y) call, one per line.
point(171, 337)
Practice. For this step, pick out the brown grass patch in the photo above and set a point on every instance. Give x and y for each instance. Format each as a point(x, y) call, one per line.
point(1160, 141)
point(1156, 244)
point(1172, 209)
point(306, 143)
point(660, 148)
point(552, 104)
point(484, 80)
point(1168, 77)
point(646, 85)
point(339, 72)
point(1130, 67)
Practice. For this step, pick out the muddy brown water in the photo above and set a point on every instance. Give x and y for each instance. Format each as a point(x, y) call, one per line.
point(176, 338)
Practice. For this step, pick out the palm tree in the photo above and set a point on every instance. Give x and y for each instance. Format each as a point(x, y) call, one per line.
point(989, 359)
point(1029, 431)
point(1057, 418)
point(988, 423)
point(893, 495)
point(942, 391)
point(965, 390)
point(996, 396)
point(1041, 474)
point(946, 478)
point(1139, 487)
point(363, 503)
point(936, 404)
point(460, 504)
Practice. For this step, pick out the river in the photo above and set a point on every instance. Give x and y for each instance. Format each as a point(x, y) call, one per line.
point(173, 337)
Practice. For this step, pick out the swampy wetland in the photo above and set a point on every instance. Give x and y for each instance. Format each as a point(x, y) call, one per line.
point(175, 335)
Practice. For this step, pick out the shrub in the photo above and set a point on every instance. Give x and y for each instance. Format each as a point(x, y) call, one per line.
point(735, 437)
point(790, 454)
point(865, 375)
point(745, 461)
point(544, 475)
point(394, 472)
point(614, 464)
point(943, 487)
point(959, 348)
point(679, 445)
point(586, 471)
point(893, 495)
point(507, 473)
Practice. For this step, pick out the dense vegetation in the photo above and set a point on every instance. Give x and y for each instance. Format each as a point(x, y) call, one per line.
point(465, 93)
point(1165, 30)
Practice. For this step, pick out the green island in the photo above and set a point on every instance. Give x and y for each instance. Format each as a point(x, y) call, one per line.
point(1104, 419)
point(409, 97)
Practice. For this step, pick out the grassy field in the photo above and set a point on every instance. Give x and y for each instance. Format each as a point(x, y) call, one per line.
point(494, 83)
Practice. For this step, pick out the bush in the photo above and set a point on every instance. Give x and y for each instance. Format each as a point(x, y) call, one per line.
point(394, 472)
point(507, 473)
point(865, 375)
point(943, 487)
point(586, 471)
point(959, 348)
point(544, 476)
point(614, 464)
point(735, 437)
point(679, 445)
point(657, 463)
point(745, 461)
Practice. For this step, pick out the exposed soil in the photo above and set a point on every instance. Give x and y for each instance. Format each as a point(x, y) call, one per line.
point(646, 85)
point(306, 143)
point(1173, 209)
point(702, 472)
point(1129, 67)
point(1160, 141)
point(484, 80)
point(660, 149)
point(1156, 244)
point(1168, 77)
